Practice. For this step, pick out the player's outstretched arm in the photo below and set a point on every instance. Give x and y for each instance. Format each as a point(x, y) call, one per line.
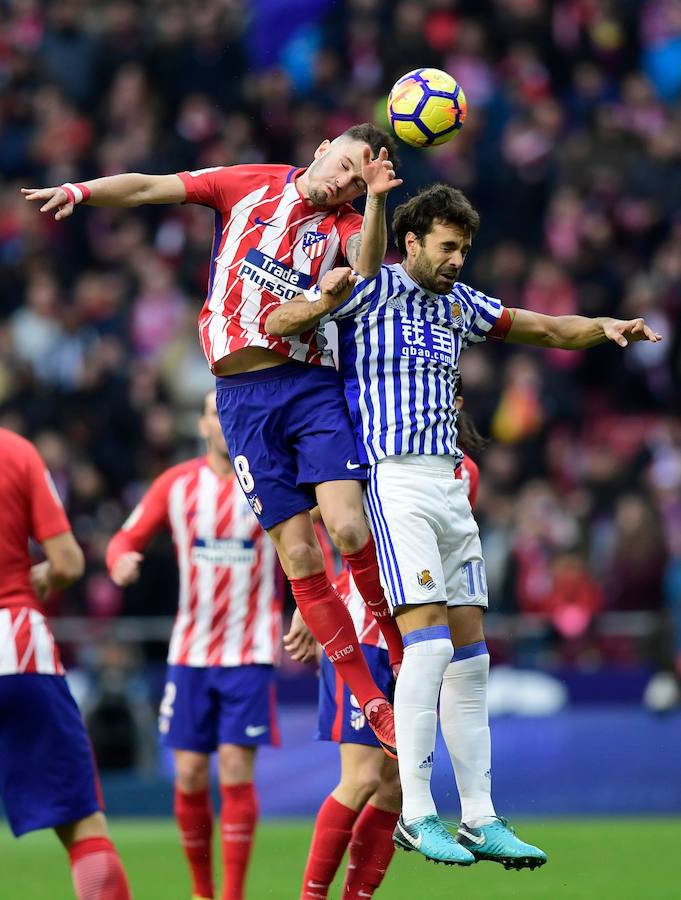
point(130, 189)
point(365, 251)
point(576, 332)
point(299, 314)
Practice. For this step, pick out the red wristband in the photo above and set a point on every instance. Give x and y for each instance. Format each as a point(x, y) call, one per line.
point(77, 193)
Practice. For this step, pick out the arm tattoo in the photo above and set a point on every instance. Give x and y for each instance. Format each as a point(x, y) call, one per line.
point(352, 248)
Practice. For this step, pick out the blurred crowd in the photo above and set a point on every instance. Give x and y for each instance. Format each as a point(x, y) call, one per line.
point(571, 152)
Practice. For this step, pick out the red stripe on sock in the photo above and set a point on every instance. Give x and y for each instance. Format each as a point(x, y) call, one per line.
point(337, 727)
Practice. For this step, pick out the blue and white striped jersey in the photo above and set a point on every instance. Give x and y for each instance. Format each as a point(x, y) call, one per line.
point(399, 355)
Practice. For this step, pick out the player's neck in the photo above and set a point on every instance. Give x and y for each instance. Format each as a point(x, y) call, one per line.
point(219, 464)
point(302, 186)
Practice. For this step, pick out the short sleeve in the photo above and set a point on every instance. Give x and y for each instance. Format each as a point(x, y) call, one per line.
point(478, 312)
point(48, 518)
point(209, 187)
point(348, 224)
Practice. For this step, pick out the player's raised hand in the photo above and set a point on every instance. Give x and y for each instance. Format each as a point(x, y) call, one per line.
point(126, 569)
point(336, 286)
point(54, 198)
point(628, 331)
point(379, 173)
point(299, 642)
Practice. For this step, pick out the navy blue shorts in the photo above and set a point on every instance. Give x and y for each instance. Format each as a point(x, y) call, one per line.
point(340, 716)
point(48, 775)
point(287, 429)
point(205, 707)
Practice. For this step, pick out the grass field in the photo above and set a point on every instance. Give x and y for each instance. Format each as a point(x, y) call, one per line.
point(593, 859)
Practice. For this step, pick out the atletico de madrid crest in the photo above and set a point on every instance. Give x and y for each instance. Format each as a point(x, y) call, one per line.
point(314, 243)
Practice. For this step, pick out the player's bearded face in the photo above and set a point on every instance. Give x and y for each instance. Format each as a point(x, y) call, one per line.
point(439, 257)
point(335, 176)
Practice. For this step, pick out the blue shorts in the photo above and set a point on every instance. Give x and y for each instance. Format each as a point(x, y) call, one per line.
point(48, 775)
point(340, 716)
point(287, 429)
point(205, 707)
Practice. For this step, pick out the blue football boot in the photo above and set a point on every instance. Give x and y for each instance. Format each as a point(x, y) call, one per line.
point(429, 837)
point(497, 842)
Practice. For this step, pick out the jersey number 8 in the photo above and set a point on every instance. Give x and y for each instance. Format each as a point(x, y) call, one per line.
point(243, 473)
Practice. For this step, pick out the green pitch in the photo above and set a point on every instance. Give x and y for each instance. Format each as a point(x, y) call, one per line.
point(622, 859)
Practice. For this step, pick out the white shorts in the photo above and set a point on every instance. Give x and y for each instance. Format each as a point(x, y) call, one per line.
point(427, 539)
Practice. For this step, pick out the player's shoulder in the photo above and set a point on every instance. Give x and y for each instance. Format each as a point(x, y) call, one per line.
point(347, 209)
point(180, 470)
point(273, 172)
point(471, 297)
point(16, 449)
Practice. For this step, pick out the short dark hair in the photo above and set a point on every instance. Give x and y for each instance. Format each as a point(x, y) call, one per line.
point(375, 138)
point(437, 203)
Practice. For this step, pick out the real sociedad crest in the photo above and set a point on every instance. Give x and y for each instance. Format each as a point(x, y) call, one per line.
point(314, 243)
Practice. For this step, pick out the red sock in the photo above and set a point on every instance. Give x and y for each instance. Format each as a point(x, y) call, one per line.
point(238, 817)
point(332, 832)
point(371, 850)
point(194, 815)
point(97, 870)
point(327, 617)
point(364, 568)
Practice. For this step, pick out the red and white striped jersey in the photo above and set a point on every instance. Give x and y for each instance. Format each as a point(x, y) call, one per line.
point(269, 245)
point(365, 624)
point(26, 643)
point(29, 508)
point(231, 587)
point(469, 473)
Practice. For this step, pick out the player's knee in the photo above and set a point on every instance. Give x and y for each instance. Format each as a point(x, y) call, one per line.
point(91, 826)
point(466, 625)
point(235, 764)
point(192, 773)
point(349, 534)
point(301, 559)
point(360, 783)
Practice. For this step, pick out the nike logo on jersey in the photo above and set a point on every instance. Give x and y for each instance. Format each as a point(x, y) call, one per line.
point(259, 221)
point(256, 730)
point(415, 842)
point(351, 465)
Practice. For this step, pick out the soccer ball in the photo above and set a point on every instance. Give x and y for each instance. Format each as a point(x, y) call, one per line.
point(426, 107)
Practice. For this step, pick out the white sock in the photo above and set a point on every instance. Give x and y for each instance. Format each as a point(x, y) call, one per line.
point(427, 653)
point(465, 727)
